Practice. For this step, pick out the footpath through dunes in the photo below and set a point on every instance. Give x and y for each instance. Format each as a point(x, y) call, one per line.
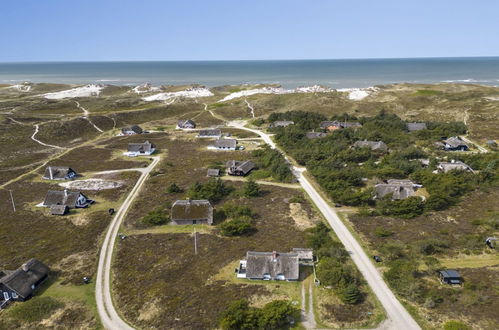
point(397, 315)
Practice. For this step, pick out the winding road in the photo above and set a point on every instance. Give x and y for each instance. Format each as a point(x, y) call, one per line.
point(397, 316)
point(109, 316)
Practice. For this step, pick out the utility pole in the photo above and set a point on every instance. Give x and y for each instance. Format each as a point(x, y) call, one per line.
point(195, 242)
point(12, 199)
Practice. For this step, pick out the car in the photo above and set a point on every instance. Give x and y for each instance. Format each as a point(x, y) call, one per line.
point(377, 258)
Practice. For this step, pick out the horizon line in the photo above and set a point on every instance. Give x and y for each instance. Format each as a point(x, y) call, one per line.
point(254, 60)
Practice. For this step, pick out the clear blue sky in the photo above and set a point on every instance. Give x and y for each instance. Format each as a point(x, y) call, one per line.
point(69, 30)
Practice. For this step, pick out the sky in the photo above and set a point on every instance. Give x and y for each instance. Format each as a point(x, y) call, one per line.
point(114, 30)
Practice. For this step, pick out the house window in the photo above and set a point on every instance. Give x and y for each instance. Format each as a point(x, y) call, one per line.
point(6, 296)
point(280, 277)
point(194, 222)
point(14, 295)
point(266, 276)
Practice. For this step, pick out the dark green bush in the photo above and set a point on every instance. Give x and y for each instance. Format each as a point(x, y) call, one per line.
point(237, 227)
point(156, 217)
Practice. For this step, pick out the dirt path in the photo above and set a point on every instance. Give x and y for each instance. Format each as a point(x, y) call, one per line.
point(16, 121)
point(213, 114)
point(109, 316)
point(252, 110)
point(86, 114)
point(307, 312)
point(37, 128)
point(397, 315)
point(268, 183)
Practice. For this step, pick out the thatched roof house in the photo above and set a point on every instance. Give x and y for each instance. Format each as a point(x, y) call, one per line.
point(315, 135)
point(186, 124)
point(272, 266)
point(400, 189)
point(71, 199)
point(453, 165)
point(140, 149)
point(192, 212)
point(59, 173)
point(213, 172)
point(455, 143)
point(210, 133)
point(21, 283)
point(282, 123)
point(225, 144)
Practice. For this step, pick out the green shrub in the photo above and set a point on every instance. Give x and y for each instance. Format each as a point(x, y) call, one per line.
point(276, 314)
point(298, 198)
point(213, 190)
point(455, 325)
point(237, 227)
point(174, 189)
point(35, 309)
point(156, 217)
point(232, 210)
point(351, 294)
point(258, 122)
point(251, 189)
point(382, 232)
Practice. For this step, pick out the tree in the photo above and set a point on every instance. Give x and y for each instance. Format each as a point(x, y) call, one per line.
point(174, 188)
point(237, 227)
point(156, 217)
point(251, 189)
point(276, 314)
point(239, 315)
point(213, 190)
point(351, 294)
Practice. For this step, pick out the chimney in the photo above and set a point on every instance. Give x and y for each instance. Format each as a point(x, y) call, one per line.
point(50, 172)
point(274, 256)
point(25, 267)
point(65, 193)
point(452, 161)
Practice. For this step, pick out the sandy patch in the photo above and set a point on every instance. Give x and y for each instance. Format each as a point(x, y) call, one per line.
point(188, 93)
point(91, 184)
point(275, 90)
point(24, 87)
point(300, 216)
point(84, 91)
point(357, 94)
point(53, 320)
point(149, 311)
point(81, 262)
point(492, 98)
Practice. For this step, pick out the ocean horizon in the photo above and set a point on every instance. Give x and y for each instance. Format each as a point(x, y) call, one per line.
point(336, 73)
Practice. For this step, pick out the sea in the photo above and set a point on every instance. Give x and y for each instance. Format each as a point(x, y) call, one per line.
point(341, 73)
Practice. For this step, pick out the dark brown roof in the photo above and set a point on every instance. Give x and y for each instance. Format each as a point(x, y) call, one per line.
point(282, 123)
point(398, 190)
point(191, 210)
point(141, 147)
point(62, 197)
point(225, 143)
point(23, 280)
point(58, 172)
point(259, 264)
point(244, 167)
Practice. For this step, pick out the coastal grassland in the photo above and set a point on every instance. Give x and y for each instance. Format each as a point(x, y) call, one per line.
point(186, 290)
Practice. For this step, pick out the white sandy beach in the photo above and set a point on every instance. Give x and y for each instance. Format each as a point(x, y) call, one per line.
point(276, 90)
point(188, 93)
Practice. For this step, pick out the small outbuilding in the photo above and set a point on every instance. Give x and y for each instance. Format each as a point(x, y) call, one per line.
point(59, 173)
point(20, 284)
point(192, 212)
point(131, 130)
point(238, 168)
point(213, 172)
point(186, 124)
point(140, 149)
point(450, 276)
point(71, 199)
